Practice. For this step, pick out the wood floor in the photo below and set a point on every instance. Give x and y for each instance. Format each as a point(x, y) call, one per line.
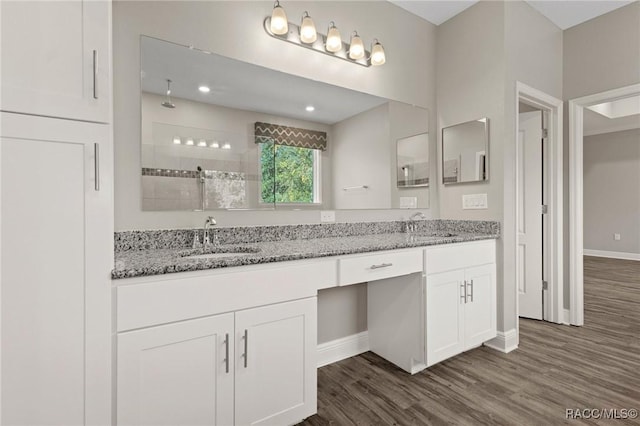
point(555, 367)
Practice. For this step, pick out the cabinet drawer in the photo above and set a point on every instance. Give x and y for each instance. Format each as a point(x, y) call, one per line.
point(365, 268)
point(456, 256)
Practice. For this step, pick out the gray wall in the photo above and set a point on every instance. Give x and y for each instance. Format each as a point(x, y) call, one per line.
point(481, 53)
point(612, 191)
point(599, 55)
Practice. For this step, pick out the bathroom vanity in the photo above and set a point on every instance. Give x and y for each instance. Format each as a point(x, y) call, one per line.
point(232, 339)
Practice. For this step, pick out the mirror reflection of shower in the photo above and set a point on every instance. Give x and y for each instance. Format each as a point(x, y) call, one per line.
point(201, 182)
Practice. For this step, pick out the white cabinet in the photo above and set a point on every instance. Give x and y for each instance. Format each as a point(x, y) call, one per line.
point(255, 366)
point(56, 58)
point(461, 302)
point(177, 374)
point(56, 249)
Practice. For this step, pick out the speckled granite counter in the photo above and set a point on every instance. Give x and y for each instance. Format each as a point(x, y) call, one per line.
point(157, 261)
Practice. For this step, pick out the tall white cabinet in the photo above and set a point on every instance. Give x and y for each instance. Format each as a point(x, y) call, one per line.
point(56, 214)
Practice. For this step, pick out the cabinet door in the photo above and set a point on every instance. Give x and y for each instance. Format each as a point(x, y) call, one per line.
point(276, 367)
point(55, 58)
point(177, 374)
point(56, 250)
point(480, 309)
point(445, 315)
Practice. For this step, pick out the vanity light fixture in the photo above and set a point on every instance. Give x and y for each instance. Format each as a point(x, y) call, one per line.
point(334, 41)
point(226, 146)
point(305, 35)
point(189, 141)
point(167, 103)
point(204, 89)
point(279, 24)
point(310, 108)
point(308, 33)
point(177, 140)
point(356, 48)
point(214, 144)
point(202, 142)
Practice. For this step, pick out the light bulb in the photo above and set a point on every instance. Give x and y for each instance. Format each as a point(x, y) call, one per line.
point(377, 54)
point(279, 24)
point(176, 140)
point(308, 32)
point(356, 48)
point(334, 41)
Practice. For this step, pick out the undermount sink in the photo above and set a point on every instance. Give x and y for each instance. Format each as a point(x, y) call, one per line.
point(218, 252)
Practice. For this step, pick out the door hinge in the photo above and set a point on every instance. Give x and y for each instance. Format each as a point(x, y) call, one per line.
point(545, 285)
point(545, 133)
point(545, 209)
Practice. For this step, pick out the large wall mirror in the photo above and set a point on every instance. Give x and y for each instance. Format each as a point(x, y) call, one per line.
point(465, 149)
point(217, 133)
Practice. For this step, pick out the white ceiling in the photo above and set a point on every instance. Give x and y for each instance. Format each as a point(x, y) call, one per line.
point(240, 85)
point(595, 124)
point(564, 13)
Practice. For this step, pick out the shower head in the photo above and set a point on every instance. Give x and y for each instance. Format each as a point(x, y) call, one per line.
point(167, 102)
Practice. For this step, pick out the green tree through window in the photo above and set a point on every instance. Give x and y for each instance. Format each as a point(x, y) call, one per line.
point(287, 174)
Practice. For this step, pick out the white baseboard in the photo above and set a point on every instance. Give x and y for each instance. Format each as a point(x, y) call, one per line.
point(505, 341)
point(566, 316)
point(612, 254)
point(342, 348)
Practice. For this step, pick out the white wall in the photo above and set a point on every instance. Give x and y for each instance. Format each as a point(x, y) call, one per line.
point(481, 53)
point(612, 192)
point(234, 29)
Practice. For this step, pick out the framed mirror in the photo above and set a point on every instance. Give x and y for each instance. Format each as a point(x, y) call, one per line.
point(465, 149)
point(218, 133)
point(412, 158)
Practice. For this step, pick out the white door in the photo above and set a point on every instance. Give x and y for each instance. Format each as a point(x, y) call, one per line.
point(530, 237)
point(480, 310)
point(55, 58)
point(276, 366)
point(445, 315)
point(177, 374)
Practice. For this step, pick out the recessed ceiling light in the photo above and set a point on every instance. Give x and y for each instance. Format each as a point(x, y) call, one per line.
point(310, 108)
point(204, 89)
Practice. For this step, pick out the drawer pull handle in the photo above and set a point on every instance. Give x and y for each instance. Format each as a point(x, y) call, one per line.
point(95, 74)
point(470, 287)
point(381, 265)
point(96, 165)
point(226, 353)
point(463, 292)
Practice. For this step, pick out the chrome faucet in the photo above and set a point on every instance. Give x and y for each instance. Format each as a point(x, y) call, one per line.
point(208, 224)
point(411, 224)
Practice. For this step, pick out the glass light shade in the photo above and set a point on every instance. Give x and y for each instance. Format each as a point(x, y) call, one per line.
point(308, 32)
point(177, 140)
point(377, 55)
point(356, 48)
point(334, 41)
point(189, 141)
point(279, 23)
point(202, 142)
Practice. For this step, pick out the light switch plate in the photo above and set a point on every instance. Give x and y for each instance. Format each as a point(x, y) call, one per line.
point(327, 216)
point(616, 237)
point(408, 202)
point(474, 201)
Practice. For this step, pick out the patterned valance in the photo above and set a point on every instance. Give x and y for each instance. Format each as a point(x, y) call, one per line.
point(290, 136)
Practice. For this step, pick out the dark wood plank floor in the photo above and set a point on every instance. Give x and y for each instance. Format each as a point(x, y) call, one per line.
point(555, 367)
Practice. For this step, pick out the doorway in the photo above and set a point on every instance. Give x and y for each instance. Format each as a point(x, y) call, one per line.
point(539, 174)
point(576, 193)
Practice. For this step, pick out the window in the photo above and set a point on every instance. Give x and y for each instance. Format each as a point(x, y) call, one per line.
point(289, 174)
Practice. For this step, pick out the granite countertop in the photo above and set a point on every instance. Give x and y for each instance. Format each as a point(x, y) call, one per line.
point(138, 263)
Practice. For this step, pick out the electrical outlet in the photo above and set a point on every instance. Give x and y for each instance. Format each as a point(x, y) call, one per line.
point(327, 216)
point(616, 237)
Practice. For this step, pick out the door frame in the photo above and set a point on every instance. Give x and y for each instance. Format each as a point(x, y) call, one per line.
point(553, 242)
point(576, 185)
